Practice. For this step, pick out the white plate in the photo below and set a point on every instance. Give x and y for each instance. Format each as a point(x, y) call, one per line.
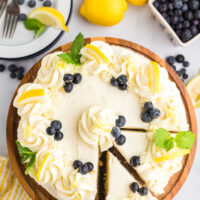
point(23, 45)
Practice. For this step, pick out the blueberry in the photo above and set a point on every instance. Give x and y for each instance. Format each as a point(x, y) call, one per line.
point(181, 19)
point(122, 87)
point(178, 4)
point(83, 169)
point(173, 67)
point(170, 6)
point(194, 29)
point(31, 3)
point(143, 191)
point(188, 15)
point(185, 76)
point(120, 122)
point(90, 166)
point(116, 132)
point(77, 164)
point(20, 76)
point(195, 22)
point(170, 13)
point(164, 14)
point(51, 130)
point(68, 87)
point(179, 73)
point(197, 14)
point(20, 70)
point(134, 187)
point(20, 2)
point(174, 20)
point(193, 5)
point(184, 7)
point(114, 82)
point(178, 12)
point(122, 79)
point(154, 113)
point(167, 19)
point(135, 161)
point(146, 117)
point(156, 4)
point(68, 77)
point(183, 70)
point(163, 8)
point(186, 64)
point(47, 4)
point(120, 140)
point(22, 17)
point(12, 68)
point(179, 26)
point(58, 136)
point(186, 24)
point(180, 58)
point(171, 60)
point(13, 75)
point(148, 106)
point(77, 78)
point(57, 124)
point(2, 67)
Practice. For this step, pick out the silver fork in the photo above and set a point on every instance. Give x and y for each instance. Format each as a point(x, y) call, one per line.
point(3, 4)
point(11, 19)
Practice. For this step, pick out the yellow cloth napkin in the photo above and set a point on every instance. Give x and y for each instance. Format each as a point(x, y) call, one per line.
point(10, 188)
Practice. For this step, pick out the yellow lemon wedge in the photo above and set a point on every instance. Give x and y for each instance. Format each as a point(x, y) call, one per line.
point(154, 77)
point(49, 17)
point(193, 88)
point(31, 93)
point(104, 12)
point(42, 166)
point(97, 53)
point(172, 156)
point(138, 2)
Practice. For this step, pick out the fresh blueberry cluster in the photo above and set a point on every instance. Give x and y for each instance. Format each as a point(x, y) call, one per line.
point(83, 168)
point(182, 15)
point(15, 72)
point(54, 130)
point(135, 161)
point(143, 191)
point(69, 80)
point(120, 139)
point(149, 112)
point(120, 82)
point(179, 59)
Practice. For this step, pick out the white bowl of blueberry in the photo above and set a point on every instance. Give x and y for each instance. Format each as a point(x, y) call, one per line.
point(179, 18)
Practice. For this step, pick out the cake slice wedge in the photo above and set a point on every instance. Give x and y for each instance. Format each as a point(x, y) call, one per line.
point(119, 180)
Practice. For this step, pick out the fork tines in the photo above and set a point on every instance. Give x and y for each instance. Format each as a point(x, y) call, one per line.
point(3, 4)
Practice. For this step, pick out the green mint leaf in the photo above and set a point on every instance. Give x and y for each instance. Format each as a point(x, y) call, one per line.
point(76, 47)
point(68, 58)
point(185, 139)
point(39, 31)
point(169, 144)
point(30, 163)
point(25, 158)
point(160, 137)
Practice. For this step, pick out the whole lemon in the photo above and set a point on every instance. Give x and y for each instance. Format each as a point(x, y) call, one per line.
point(104, 12)
point(138, 2)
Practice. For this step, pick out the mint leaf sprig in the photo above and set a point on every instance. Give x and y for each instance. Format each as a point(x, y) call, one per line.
point(74, 56)
point(34, 25)
point(164, 140)
point(27, 155)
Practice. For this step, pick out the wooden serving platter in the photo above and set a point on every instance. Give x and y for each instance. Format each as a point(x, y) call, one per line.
point(35, 191)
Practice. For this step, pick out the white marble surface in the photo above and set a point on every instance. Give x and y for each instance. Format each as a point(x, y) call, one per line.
point(137, 26)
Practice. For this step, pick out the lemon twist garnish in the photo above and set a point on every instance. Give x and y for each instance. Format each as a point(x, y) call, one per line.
point(98, 52)
point(172, 156)
point(49, 17)
point(154, 77)
point(30, 94)
point(42, 166)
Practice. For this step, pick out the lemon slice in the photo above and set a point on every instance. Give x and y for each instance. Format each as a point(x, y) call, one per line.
point(138, 2)
point(42, 167)
point(172, 156)
point(31, 93)
point(97, 53)
point(193, 88)
point(49, 17)
point(154, 77)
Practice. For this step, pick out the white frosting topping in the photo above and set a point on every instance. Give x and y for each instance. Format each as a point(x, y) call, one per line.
point(95, 127)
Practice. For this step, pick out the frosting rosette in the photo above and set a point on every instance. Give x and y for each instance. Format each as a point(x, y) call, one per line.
point(33, 98)
point(157, 174)
point(76, 186)
point(95, 127)
point(32, 132)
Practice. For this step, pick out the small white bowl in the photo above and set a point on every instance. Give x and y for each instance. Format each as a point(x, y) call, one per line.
point(167, 28)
